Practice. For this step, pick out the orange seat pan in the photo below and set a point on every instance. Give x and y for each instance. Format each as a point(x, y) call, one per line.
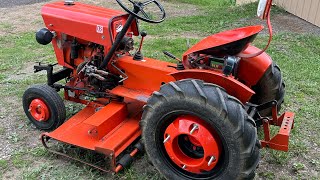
point(225, 38)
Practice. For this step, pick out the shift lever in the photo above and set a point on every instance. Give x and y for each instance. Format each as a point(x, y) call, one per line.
point(138, 55)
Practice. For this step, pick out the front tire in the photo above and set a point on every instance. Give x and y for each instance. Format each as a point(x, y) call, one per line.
point(44, 107)
point(214, 111)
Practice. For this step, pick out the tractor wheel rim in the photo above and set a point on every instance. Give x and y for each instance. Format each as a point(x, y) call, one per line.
point(205, 149)
point(39, 110)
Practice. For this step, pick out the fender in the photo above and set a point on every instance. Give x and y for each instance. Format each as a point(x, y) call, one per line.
point(251, 70)
point(231, 85)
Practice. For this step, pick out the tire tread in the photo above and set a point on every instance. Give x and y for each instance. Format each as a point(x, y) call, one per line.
point(244, 130)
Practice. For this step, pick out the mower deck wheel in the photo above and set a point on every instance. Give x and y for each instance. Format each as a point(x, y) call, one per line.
point(195, 130)
point(44, 107)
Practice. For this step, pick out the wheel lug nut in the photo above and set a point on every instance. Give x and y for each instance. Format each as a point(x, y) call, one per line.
point(39, 106)
point(194, 128)
point(167, 139)
point(211, 160)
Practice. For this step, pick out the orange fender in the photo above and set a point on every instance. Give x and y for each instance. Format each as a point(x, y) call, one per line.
point(231, 85)
point(250, 70)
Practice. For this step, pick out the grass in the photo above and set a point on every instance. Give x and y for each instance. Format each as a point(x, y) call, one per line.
point(297, 55)
point(210, 20)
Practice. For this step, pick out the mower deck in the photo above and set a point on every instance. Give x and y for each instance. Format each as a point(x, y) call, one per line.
point(108, 130)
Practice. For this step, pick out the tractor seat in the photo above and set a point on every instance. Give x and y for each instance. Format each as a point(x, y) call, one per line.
point(230, 42)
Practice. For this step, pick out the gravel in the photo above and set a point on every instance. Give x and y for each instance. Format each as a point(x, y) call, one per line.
point(12, 3)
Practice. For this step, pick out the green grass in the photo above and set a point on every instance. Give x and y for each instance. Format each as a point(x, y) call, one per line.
point(296, 54)
point(2, 130)
point(210, 20)
point(5, 26)
point(3, 164)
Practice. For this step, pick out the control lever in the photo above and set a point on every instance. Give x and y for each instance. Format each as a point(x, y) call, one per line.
point(180, 66)
point(138, 55)
point(171, 56)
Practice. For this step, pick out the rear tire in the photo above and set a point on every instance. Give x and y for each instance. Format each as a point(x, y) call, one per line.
point(52, 101)
point(222, 113)
point(270, 87)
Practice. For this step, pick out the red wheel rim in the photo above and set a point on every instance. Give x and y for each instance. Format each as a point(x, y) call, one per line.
point(39, 110)
point(196, 132)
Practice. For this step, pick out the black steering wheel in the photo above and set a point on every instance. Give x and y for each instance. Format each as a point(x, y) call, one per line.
point(139, 7)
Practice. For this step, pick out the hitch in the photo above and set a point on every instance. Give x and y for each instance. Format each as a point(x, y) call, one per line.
point(51, 76)
point(286, 122)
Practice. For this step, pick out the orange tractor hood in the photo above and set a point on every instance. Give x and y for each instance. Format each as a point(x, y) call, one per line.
point(90, 23)
point(226, 43)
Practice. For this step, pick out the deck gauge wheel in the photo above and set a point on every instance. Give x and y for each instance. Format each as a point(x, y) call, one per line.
point(44, 107)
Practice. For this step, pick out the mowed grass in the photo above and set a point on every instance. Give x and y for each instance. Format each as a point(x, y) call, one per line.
point(297, 55)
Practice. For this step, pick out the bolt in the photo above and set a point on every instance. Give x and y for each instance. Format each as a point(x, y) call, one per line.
point(211, 160)
point(167, 139)
point(29, 110)
point(39, 106)
point(184, 167)
point(194, 128)
point(69, 2)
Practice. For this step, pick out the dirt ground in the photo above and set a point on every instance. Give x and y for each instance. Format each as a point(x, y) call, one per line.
point(15, 20)
point(282, 23)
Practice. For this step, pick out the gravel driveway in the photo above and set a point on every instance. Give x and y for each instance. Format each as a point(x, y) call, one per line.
point(12, 3)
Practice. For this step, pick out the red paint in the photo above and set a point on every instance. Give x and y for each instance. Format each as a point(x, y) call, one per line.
point(229, 83)
point(201, 137)
point(39, 110)
point(85, 22)
point(224, 38)
point(250, 70)
point(147, 75)
point(280, 141)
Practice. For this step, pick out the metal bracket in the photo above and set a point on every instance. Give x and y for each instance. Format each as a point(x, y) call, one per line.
point(286, 122)
point(281, 140)
point(51, 76)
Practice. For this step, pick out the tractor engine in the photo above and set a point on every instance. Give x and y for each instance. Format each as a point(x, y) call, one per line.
point(86, 58)
point(81, 36)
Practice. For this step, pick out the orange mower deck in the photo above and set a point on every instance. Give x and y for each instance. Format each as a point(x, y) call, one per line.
point(108, 129)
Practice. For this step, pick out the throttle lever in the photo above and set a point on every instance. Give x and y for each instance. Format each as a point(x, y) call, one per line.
point(171, 56)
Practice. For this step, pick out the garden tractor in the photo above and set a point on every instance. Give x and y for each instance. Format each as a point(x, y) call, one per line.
point(195, 119)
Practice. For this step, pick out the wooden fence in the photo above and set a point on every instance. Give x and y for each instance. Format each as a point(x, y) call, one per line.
point(308, 10)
